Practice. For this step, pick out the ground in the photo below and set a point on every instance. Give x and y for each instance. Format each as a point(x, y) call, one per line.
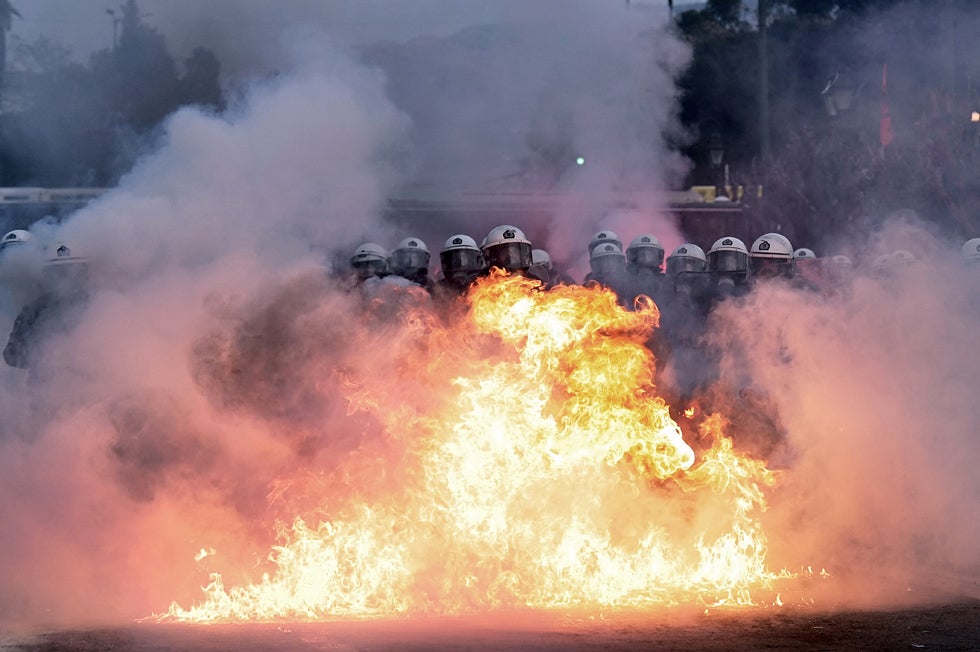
point(951, 626)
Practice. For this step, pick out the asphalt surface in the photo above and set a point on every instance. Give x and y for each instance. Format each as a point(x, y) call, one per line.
point(951, 626)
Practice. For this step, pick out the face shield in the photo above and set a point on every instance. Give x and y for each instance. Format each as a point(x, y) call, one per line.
point(646, 257)
point(728, 261)
point(608, 267)
point(457, 262)
point(770, 267)
point(683, 265)
point(366, 268)
point(409, 261)
point(511, 256)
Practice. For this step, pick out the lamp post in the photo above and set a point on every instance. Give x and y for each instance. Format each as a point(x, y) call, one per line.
point(716, 149)
point(716, 152)
point(115, 27)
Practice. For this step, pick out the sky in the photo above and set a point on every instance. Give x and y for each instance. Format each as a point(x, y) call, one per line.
point(243, 32)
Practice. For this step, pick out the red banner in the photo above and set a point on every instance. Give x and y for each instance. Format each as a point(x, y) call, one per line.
point(886, 135)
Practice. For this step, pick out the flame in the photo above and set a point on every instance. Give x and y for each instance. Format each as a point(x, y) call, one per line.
point(545, 473)
point(203, 553)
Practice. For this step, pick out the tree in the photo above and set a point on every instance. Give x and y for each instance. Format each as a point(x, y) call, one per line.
point(140, 75)
point(77, 125)
point(200, 84)
point(7, 13)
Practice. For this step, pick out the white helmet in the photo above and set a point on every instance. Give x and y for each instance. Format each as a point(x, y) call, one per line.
point(902, 257)
point(607, 260)
point(882, 262)
point(970, 251)
point(416, 244)
point(410, 257)
point(772, 245)
point(602, 237)
point(645, 251)
point(803, 253)
point(459, 241)
point(65, 269)
point(842, 260)
point(370, 259)
point(507, 247)
point(541, 257)
point(771, 255)
point(686, 258)
point(62, 254)
point(15, 237)
point(461, 259)
point(728, 254)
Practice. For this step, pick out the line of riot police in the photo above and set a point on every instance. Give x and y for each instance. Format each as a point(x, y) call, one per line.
point(685, 285)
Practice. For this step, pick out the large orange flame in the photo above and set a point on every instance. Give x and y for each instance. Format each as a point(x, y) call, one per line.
point(552, 476)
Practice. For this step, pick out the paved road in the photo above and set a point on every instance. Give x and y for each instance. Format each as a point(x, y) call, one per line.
point(954, 626)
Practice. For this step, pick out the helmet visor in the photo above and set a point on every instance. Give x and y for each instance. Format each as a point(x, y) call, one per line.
point(764, 267)
point(509, 255)
point(728, 261)
point(651, 257)
point(365, 269)
point(409, 260)
point(460, 260)
point(681, 264)
point(606, 267)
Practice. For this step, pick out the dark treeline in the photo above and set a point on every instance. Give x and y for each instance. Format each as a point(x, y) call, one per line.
point(66, 124)
point(828, 172)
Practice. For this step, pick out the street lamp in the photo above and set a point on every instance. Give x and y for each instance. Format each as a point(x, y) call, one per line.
point(716, 149)
point(115, 27)
point(838, 95)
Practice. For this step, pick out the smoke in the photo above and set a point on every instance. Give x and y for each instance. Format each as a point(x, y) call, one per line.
point(573, 101)
point(190, 404)
point(126, 448)
point(866, 400)
point(218, 382)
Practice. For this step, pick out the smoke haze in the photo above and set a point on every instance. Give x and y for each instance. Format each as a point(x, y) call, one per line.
point(876, 417)
point(218, 384)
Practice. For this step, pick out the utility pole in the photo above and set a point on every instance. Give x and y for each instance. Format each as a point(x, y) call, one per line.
point(115, 27)
point(764, 143)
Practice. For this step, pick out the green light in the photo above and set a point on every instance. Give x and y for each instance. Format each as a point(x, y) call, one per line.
point(580, 160)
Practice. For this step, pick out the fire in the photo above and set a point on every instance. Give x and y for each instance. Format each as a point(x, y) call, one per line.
point(552, 475)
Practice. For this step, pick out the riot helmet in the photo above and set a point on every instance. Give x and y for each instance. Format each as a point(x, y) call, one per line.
point(369, 259)
point(461, 259)
point(14, 238)
point(506, 247)
point(603, 237)
point(645, 252)
point(771, 255)
point(970, 251)
point(686, 258)
point(410, 259)
point(728, 255)
point(541, 258)
point(607, 261)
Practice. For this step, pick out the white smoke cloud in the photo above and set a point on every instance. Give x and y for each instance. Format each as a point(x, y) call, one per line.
point(118, 454)
point(873, 414)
